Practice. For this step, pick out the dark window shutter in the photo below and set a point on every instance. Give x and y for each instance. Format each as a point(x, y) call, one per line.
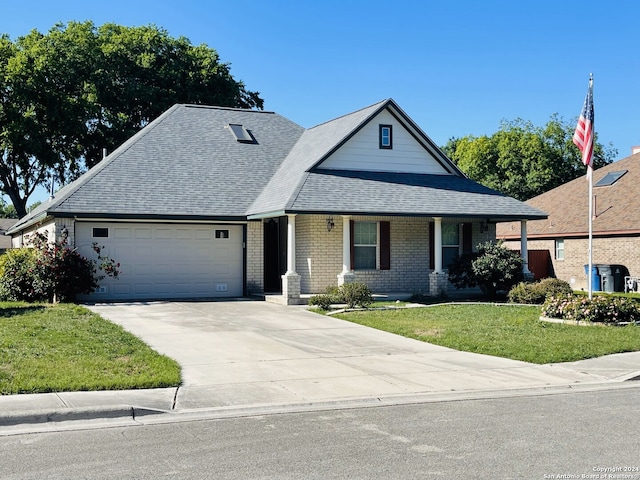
point(467, 241)
point(351, 246)
point(432, 246)
point(385, 246)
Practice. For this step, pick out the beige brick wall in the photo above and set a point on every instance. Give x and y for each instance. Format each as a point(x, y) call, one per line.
point(49, 227)
point(613, 250)
point(255, 260)
point(319, 254)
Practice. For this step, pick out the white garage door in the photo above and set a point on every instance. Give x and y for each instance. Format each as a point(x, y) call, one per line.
point(163, 261)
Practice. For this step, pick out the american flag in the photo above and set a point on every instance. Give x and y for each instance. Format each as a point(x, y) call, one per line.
point(583, 136)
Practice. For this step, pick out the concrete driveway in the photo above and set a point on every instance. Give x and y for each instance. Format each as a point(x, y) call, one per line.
point(248, 353)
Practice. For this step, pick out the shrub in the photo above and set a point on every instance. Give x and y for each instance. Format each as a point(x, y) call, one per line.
point(51, 271)
point(535, 293)
point(18, 276)
point(354, 294)
point(322, 301)
point(493, 267)
point(555, 286)
point(600, 309)
point(335, 294)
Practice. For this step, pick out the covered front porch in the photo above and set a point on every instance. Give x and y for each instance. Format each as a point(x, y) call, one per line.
point(396, 256)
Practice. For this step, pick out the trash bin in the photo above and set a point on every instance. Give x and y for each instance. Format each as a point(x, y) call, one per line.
point(606, 277)
point(619, 272)
point(595, 278)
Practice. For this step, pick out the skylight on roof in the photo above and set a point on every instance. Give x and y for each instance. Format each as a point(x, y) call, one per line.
point(610, 178)
point(241, 134)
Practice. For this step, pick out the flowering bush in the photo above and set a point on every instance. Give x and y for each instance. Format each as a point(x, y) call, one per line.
point(601, 309)
point(52, 271)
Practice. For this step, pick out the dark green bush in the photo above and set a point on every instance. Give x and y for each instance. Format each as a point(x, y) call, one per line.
point(535, 293)
point(354, 294)
point(322, 301)
point(493, 267)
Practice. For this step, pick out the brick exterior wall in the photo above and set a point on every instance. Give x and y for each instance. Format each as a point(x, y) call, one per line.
point(50, 228)
point(409, 258)
point(611, 250)
point(255, 257)
point(319, 254)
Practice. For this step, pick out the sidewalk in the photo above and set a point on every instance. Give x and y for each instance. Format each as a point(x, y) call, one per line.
point(244, 357)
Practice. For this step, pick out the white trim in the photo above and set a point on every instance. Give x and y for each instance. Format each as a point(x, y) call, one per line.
point(437, 244)
point(346, 244)
point(291, 244)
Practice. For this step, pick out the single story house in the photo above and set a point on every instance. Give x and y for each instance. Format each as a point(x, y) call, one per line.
point(222, 202)
point(5, 240)
point(564, 235)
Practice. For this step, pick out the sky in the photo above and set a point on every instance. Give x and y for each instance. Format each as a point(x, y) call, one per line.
point(456, 67)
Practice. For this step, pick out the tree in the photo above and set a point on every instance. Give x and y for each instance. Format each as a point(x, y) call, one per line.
point(67, 94)
point(523, 161)
point(7, 211)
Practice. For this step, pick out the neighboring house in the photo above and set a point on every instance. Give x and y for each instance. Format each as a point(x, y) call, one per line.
point(220, 202)
point(565, 234)
point(5, 240)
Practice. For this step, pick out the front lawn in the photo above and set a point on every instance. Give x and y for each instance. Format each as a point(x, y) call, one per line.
point(65, 347)
point(501, 330)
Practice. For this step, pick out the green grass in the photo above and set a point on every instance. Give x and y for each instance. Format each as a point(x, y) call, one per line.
point(65, 347)
point(501, 330)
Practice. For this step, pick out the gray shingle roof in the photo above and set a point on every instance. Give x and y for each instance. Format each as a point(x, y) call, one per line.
point(188, 165)
point(183, 164)
point(351, 192)
point(314, 143)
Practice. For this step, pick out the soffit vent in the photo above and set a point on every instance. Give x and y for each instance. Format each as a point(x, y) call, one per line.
point(241, 134)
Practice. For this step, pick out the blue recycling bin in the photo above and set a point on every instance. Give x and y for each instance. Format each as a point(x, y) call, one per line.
point(595, 277)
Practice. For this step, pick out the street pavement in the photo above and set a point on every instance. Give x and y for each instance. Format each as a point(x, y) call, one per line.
point(245, 357)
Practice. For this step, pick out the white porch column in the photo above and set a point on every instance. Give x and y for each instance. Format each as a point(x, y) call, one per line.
point(347, 275)
point(437, 244)
point(291, 244)
point(523, 249)
point(437, 279)
point(291, 280)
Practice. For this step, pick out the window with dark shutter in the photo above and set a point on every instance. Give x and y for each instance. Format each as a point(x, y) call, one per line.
point(370, 241)
point(385, 246)
point(467, 239)
point(385, 137)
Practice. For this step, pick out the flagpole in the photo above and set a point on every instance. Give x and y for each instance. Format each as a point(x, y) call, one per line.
point(590, 232)
point(590, 175)
point(583, 138)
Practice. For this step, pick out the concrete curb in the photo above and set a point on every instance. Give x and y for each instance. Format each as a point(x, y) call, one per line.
point(104, 413)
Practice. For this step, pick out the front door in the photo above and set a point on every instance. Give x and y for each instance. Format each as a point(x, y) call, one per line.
point(275, 253)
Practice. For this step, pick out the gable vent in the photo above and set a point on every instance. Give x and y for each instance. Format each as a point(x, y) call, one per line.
point(241, 134)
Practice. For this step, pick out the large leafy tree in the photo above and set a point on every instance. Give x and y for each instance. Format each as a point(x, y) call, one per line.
point(68, 94)
point(522, 160)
